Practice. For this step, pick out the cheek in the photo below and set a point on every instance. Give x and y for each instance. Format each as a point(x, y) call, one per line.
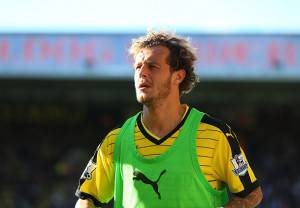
point(135, 79)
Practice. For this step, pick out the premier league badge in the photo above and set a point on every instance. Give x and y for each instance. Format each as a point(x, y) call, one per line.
point(87, 174)
point(240, 165)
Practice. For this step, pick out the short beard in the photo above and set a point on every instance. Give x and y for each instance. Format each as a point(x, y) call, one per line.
point(164, 92)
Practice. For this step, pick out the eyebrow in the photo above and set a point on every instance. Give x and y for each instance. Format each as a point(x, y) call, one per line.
point(147, 62)
point(152, 62)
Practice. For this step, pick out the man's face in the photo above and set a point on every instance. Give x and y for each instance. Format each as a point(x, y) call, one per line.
point(152, 74)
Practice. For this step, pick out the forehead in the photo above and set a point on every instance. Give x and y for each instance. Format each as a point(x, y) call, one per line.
point(156, 54)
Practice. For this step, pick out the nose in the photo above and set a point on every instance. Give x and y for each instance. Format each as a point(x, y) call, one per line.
point(143, 71)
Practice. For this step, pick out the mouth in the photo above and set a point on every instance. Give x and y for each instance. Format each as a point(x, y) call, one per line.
point(143, 86)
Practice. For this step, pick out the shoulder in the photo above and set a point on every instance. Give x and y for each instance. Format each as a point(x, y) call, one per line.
point(209, 122)
point(220, 130)
point(106, 145)
point(112, 134)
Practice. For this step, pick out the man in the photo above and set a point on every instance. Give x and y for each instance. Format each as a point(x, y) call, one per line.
point(170, 154)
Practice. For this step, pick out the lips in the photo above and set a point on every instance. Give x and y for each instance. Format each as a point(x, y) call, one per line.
point(143, 85)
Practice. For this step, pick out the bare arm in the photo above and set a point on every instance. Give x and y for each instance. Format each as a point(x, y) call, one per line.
point(86, 203)
point(252, 200)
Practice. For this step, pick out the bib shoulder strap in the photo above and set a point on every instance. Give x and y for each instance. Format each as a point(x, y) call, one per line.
point(118, 194)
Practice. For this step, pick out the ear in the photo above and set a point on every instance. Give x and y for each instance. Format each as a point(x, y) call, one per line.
point(179, 76)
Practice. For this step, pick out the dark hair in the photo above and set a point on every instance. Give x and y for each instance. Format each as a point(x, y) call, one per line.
point(182, 54)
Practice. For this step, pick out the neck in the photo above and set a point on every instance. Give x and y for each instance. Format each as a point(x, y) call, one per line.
point(161, 118)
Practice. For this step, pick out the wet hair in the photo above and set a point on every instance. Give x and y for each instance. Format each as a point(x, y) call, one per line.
point(182, 54)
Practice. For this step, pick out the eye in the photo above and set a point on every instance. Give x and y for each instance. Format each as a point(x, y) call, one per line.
point(137, 66)
point(153, 66)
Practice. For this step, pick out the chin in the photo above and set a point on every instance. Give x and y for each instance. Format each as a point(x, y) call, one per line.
point(143, 99)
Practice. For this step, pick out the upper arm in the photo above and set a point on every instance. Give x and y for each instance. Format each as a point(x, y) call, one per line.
point(231, 164)
point(97, 181)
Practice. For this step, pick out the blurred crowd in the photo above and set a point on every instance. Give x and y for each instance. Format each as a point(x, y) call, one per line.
point(43, 157)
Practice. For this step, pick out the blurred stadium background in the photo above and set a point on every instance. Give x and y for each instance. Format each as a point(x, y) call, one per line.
point(62, 91)
point(60, 94)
